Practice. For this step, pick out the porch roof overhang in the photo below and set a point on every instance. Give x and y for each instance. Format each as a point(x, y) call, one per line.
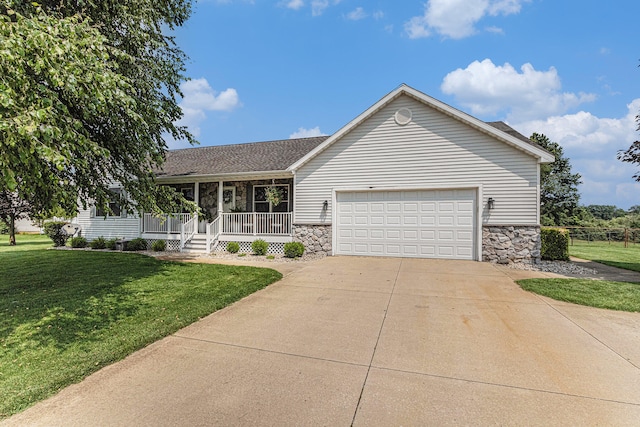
point(236, 176)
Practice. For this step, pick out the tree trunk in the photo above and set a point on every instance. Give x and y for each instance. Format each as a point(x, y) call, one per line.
point(12, 230)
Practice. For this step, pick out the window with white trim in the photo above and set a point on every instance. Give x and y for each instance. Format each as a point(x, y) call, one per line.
point(261, 204)
point(115, 210)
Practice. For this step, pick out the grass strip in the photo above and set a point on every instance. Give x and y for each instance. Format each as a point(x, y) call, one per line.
point(622, 296)
point(613, 254)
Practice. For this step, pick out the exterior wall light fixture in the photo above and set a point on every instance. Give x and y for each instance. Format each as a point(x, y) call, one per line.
point(491, 203)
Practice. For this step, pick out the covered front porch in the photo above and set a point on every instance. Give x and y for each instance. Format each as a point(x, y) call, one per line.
point(240, 211)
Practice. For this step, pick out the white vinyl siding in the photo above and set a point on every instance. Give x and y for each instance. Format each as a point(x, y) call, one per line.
point(433, 151)
point(110, 227)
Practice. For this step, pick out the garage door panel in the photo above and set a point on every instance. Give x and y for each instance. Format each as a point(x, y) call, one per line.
point(446, 220)
point(345, 220)
point(410, 207)
point(376, 234)
point(361, 233)
point(434, 224)
point(361, 220)
point(392, 234)
point(361, 208)
point(377, 249)
point(410, 220)
point(377, 220)
point(394, 207)
point(446, 251)
point(377, 207)
point(346, 233)
point(464, 221)
point(394, 220)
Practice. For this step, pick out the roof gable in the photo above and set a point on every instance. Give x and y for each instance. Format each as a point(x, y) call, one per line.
point(498, 130)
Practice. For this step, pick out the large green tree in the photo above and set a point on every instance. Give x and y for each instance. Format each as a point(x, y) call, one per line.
point(88, 89)
point(632, 155)
point(559, 194)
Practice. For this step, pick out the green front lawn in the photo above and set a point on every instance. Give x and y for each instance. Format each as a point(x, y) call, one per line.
point(25, 242)
point(66, 314)
point(614, 254)
point(594, 293)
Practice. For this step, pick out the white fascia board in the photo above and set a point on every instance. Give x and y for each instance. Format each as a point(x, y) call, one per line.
point(542, 155)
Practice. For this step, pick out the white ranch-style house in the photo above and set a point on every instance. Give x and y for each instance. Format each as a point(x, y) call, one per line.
point(409, 177)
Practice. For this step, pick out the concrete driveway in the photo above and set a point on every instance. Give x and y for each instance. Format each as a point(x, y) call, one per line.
point(374, 341)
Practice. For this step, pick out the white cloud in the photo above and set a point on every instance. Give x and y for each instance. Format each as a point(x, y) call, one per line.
point(319, 6)
point(292, 4)
point(198, 98)
point(306, 133)
point(199, 95)
point(586, 133)
point(494, 30)
point(456, 19)
point(592, 143)
point(357, 14)
point(378, 14)
point(489, 89)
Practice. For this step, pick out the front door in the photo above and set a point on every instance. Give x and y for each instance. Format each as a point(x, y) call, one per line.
point(228, 199)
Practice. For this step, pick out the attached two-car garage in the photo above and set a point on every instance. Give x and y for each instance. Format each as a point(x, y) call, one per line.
point(406, 223)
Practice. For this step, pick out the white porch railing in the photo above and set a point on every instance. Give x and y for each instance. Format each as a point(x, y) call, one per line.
point(254, 223)
point(213, 232)
point(185, 226)
point(188, 230)
point(166, 224)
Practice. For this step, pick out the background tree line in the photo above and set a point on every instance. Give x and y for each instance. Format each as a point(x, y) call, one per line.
point(559, 196)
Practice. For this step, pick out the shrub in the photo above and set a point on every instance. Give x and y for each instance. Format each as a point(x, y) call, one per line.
point(233, 247)
point(4, 228)
point(78, 242)
point(555, 244)
point(111, 244)
point(159, 246)
point(138, 244)
point(293, 249)
point(54, 230)
point(99, 243)
point(259, 247)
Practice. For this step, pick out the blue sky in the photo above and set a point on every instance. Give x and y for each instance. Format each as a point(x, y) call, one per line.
point(264, 70)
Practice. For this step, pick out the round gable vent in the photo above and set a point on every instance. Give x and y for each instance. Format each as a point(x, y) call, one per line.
point(403, 116)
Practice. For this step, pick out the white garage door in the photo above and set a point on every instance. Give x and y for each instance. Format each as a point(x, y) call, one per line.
point(420, 224)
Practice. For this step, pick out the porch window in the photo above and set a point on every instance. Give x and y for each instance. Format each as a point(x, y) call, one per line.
point(187, 193)
point(115, 210)
point(261, 204)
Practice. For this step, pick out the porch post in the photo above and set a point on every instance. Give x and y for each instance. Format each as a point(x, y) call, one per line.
point(196, 198)
point(220, 201)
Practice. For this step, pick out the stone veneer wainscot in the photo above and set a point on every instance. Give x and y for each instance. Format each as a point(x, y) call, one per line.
point(500, 244)
point(511, 243)
point(315, 238)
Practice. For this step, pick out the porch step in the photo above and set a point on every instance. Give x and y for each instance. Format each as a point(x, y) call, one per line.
point(198, 244)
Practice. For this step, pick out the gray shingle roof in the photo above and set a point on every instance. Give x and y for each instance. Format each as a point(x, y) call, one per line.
point(237, 158)
point(511, 131)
